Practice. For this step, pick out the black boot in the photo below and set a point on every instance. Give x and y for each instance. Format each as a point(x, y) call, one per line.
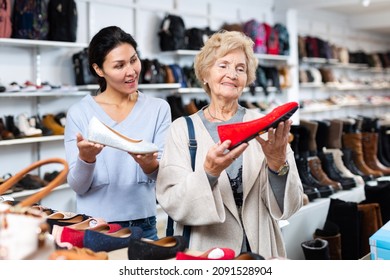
point(308, 179)
point(331, 170)
point(345, 215)
point(384, 145)
point(349, 163)
point(316, 249)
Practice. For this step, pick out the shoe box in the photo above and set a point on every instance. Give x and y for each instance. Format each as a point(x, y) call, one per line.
point(380, 243)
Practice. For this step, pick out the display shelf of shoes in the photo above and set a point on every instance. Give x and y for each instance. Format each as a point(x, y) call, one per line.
point(172, 86)
point(37, 94)
point(264, 59)
point(28, 43)
point(345, 94)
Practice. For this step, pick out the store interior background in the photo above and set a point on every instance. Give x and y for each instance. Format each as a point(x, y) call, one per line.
point(343, 22)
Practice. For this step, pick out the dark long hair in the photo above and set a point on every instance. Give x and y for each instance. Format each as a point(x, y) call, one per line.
point(102, 43)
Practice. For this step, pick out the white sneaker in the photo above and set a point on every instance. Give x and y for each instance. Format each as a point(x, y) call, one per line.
point(102, 134)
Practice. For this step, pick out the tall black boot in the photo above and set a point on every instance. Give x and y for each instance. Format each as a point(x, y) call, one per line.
point(346, 216)
point(316, 249)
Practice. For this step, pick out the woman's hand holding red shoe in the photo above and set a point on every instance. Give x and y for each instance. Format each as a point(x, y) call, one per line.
point(275, 147)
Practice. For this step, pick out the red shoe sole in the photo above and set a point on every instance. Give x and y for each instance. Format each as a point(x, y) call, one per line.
point(243, 132)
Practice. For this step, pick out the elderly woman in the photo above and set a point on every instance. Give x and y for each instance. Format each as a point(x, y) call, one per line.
point(235, 196)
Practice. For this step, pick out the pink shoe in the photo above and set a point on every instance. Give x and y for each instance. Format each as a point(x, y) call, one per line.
point(212, 254)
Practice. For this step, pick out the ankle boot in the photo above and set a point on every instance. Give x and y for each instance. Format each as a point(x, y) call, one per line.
point(5, 134)
point(345, 172)
point(309, 180)
point(49, 122)
point(312, 128)
point(349, 163)
point(370, 150)
point(330, 233)
point(316, 249)
point(318, 173)
point(333, 173)
point(24, 126)
point(335, 134)
point(353, 141)
point(10, 123)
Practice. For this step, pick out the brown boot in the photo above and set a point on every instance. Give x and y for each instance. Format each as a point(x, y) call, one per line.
point(318, 173)
point(353, 141)
point(371, 221)
point(312, 127)
point(370, 151)
point(335, 134)
point(49, 122)
point(331, 233)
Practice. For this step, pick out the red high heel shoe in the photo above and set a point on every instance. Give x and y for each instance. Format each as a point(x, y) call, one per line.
point(243, 132)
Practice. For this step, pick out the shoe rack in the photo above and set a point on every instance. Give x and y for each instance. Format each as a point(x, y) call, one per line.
point(186, 57)
point(356, 89)
point(21, 152)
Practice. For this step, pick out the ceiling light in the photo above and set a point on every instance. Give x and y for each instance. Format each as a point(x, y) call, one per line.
point(365, 3)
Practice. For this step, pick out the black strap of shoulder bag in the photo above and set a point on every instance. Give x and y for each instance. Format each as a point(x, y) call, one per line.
point(192, 145)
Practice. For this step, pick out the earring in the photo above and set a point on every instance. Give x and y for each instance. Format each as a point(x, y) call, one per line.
point(205, 83)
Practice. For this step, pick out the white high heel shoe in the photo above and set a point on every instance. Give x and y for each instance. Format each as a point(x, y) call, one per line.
point(102, 134)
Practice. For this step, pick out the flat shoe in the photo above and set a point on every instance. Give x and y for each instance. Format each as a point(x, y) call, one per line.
point(243, 132)
point(68, 237)
point(100, 241)
point(212, 254)
point(104, 135)
point(161, 249)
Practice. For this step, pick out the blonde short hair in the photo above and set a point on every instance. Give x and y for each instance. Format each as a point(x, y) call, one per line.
point(217, 46)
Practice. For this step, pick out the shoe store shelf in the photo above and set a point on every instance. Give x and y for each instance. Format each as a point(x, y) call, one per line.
point(26, 193)
point(53, 93)
point(28, 140)
point(27, 43)
point(141, 87)
point(264, 57)
point(201, 90)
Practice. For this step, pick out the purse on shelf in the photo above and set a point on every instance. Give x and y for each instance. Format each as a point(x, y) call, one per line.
point(22, 228)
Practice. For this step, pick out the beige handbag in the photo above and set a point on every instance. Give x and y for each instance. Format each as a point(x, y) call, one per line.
point(22, 228)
